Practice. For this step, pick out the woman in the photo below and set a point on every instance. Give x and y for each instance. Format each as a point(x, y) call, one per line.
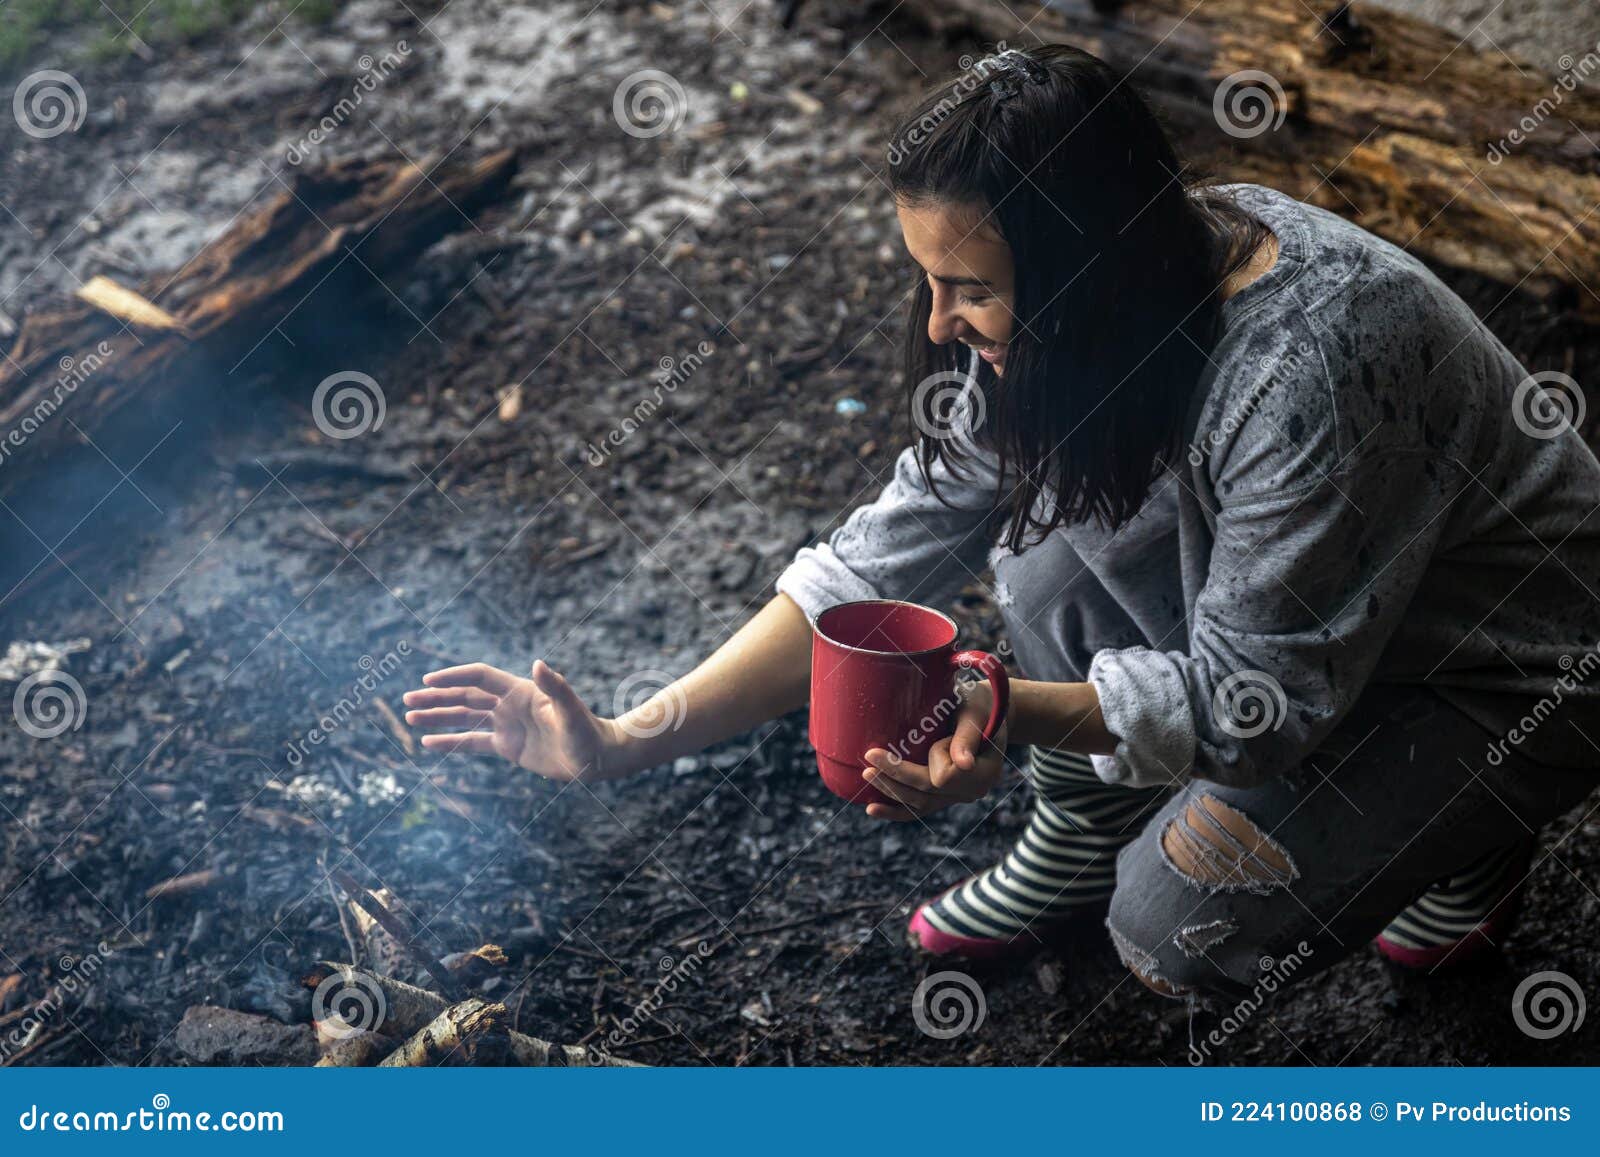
point(1304, 595)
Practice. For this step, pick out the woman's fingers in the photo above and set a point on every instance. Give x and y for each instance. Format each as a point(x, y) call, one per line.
point(480, 675)
point(913, 775)
point(918, 802)
point(943, 774)
point(966, 744)
point(451, 697)
point(548, 680)
point(476, 742)
point(439, 718)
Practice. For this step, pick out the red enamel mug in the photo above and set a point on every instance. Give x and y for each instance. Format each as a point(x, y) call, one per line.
point(883, 675)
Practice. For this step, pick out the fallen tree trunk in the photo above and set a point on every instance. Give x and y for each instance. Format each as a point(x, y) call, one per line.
point(1452, 153)
point(110, 348)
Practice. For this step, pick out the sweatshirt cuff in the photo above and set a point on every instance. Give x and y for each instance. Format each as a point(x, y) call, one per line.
point(818, 579)
point(1145, 703)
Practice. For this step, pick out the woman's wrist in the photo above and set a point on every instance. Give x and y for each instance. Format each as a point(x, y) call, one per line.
point(1064, 716)
point(650, 734)
point(631, 742)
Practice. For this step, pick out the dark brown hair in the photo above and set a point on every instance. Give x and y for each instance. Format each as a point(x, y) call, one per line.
point(1119, 268)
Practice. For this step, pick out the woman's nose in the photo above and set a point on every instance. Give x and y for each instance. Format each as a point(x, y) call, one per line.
point(944, 324)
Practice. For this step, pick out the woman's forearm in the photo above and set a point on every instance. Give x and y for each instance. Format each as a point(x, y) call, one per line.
point(763, 671)
point(1060, 715)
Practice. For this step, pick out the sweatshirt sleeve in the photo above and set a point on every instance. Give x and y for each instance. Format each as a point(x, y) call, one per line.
point(906, 544)
point(1305, 588)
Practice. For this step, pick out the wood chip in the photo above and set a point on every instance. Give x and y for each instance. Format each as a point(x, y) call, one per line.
point(807, 104)
point(126, 305)
point(511, 402)
point(181, 885)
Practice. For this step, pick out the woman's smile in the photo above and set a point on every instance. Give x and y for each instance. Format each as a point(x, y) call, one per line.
point(994, 353)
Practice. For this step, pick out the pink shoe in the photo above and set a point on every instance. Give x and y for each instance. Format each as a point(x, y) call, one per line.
point(932, 932)
point(930, 939)
point(1414, 939)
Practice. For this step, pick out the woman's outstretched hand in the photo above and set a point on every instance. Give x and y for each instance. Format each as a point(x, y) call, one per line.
point(959, 769)
point(538, 723)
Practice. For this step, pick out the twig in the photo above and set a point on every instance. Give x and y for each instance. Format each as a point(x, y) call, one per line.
point(576, 951)
point(181, 885)
point(37, 1044)
point(650, 928)
point(344, 924)
point(812, 919)
point(395, 927)
point(401, 732)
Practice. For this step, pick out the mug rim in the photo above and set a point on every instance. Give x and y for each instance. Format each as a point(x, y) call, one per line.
point(816, 626)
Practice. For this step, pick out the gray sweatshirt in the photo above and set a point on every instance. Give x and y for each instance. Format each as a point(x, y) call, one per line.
point(1376, 492)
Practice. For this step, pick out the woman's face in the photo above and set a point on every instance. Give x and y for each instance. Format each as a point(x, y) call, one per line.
point(970, 272)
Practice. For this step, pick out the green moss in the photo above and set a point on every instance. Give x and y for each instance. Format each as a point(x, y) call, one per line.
point(113, 24)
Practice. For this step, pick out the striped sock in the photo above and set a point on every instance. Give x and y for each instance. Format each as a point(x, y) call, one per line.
point(1462, 902)
point(1065, 861)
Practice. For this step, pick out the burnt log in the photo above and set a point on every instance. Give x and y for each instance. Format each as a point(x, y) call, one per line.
point(408, 1010)
point(470, 1033)
point(1454, 154)
point(94, 355)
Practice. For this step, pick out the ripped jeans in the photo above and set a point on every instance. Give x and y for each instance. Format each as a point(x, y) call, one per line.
point(1226, 885)
point(1401, 795)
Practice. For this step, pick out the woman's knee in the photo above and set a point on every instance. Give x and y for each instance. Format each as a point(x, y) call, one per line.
point(1200, 899)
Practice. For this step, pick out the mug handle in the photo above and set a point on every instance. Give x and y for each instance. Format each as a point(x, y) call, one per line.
point(993, 670)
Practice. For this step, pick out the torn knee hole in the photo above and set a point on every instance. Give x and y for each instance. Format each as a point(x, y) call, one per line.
point(1198, 939)
point(1217, 846)
point(1143, 966)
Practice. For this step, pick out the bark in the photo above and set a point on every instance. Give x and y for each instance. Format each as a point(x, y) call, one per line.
point(357, 1050)
point(1385, 120)
point(408, 1010)
point(470, 1033)
point(79, 353)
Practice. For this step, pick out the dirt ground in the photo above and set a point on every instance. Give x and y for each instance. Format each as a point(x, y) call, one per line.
point(235, 592)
